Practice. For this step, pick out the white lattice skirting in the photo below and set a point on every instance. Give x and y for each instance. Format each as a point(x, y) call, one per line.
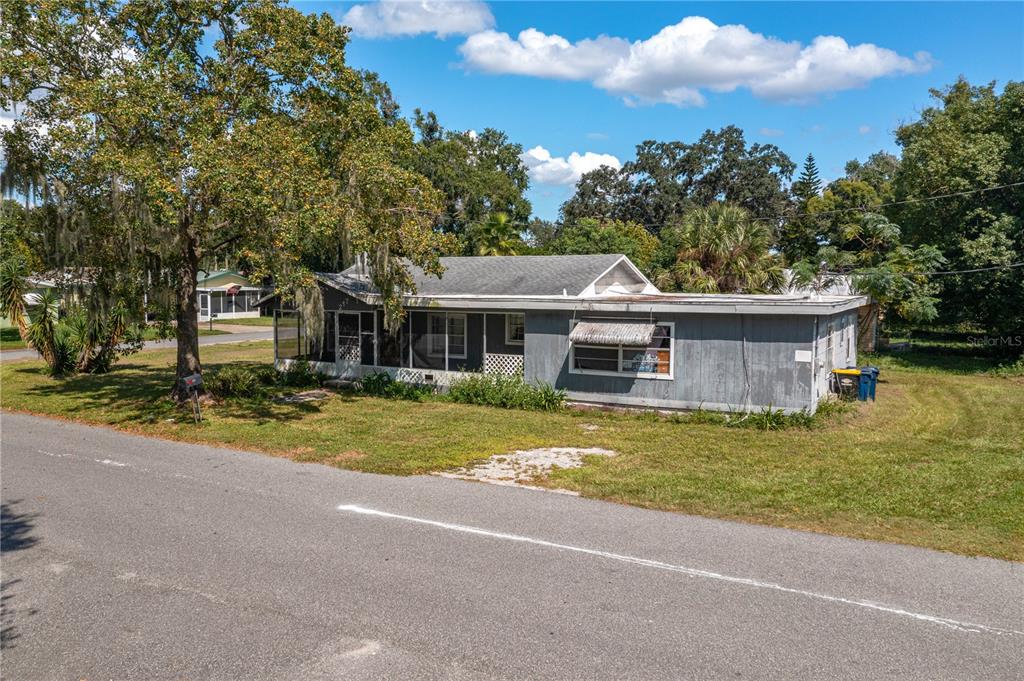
point(349, 352)
point(510, 365)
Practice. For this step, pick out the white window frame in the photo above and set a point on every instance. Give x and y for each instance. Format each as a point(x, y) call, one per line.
point(508, 328)
point(447, 334)
point(626, 374)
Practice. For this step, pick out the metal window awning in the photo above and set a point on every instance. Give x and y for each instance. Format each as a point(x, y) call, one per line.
point(612, 333)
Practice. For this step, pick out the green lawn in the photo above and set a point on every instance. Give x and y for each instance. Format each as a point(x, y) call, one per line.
point(246, 321)
point(938, 461)
point(10, 340)
point(151, 333)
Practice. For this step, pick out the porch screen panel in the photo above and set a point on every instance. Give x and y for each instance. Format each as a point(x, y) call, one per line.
point(288, 334)
point(238, 302)
point(366, 339)
point(474, 360)
point(327, 344)
point(428, 339)
point(390, 351)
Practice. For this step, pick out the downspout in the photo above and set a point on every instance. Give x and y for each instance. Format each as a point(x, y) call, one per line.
point(747, 406)
point(814, 366)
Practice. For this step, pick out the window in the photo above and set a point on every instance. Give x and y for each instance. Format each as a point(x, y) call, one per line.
point(653, 361)
point(455, 325)
point(515, 329)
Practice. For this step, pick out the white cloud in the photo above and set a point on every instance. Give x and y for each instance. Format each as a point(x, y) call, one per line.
point(547, 169)
point(440, 17)
point(535, 53)
point(864, 129)
point(597, 135)
point(681, 61)
point(772, 132)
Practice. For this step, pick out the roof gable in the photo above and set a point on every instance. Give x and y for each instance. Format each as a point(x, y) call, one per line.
point(222, 278)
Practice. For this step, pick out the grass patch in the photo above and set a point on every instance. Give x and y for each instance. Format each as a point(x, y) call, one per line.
point(246, 321)
point(936, 462)
point(10, 339)
point(152, 334)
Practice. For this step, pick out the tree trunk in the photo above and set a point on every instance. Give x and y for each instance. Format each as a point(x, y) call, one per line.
point(186, 310)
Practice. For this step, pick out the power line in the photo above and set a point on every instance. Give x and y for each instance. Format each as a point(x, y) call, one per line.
point(777, 218)
point(937, 272)
point(864, 209)
point(861, 209)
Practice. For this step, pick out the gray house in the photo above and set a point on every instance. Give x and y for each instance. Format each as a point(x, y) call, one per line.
point(590, 324)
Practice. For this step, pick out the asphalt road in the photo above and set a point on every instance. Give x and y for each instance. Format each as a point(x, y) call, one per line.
point(219, 339)
point(131, 558)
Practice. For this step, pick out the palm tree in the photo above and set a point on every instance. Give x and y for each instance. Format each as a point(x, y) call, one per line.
point(495, 236)
point(720, 249)
point(13, 288)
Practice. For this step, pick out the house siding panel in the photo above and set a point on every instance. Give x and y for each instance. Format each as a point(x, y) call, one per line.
point(713, 365)
point(496, 336)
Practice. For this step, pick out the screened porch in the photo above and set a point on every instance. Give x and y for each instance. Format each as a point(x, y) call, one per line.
point(354, 343)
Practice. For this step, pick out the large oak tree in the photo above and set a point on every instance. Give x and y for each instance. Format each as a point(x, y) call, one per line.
point(161, 132)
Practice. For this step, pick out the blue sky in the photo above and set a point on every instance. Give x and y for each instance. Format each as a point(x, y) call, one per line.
point(766, 73)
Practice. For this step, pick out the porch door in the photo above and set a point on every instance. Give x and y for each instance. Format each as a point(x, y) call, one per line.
point(204, 306)
point(348, 339)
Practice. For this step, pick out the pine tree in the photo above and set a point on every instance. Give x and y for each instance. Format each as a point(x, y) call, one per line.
point(809, 183)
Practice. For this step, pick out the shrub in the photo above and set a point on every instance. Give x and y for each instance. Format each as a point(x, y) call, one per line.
point(300, 374)
point(1010, 370)
point(237, 381)
point(507, 392)
point(766, 419)
point(381, 384)
point(830, 408)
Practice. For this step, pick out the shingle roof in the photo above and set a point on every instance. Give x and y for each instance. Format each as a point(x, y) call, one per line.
point(204, 277)
point(512, 275)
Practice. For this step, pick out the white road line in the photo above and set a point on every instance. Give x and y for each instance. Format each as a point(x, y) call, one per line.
point(110, 462)
point(693, 572)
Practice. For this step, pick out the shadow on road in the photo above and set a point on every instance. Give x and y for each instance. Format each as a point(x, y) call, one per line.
point(15, 535)
point(15, 528)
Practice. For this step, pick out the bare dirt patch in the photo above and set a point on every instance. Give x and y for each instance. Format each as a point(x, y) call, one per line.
point(521, 468)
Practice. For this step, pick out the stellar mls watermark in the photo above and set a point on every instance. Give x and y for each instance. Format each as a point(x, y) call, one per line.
point(997, 341)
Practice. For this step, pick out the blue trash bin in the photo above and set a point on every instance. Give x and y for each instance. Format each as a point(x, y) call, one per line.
point(864, 386)
point(868, 383)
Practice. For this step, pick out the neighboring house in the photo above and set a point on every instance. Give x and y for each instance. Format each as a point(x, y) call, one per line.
point(592, 325)
point(842, 285)
point(226, 294)
point(67, 285)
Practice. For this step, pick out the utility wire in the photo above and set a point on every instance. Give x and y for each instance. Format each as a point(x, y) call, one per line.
point(937, 272)
point(856, 209)
point(923, 199)
point(778, 218)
